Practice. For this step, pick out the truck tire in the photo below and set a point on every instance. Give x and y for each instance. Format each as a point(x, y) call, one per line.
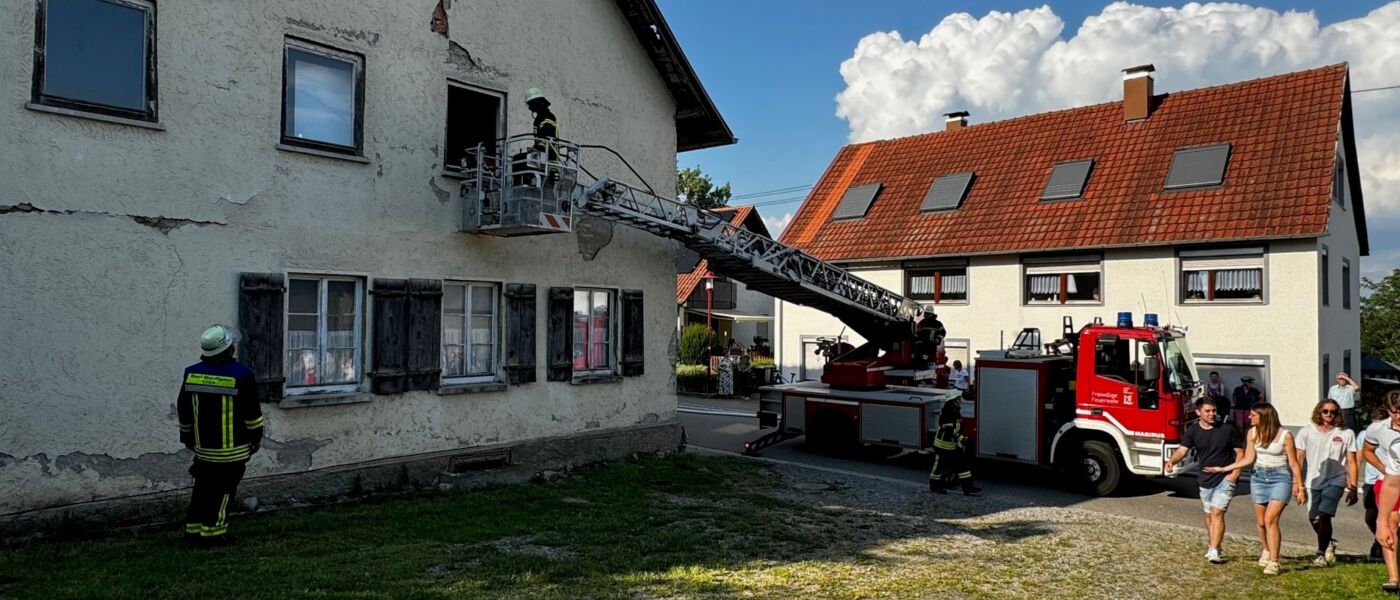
point(1097, 468)
point(830, 432)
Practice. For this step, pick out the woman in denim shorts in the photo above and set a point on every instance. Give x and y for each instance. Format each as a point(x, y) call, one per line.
point(1277, 476)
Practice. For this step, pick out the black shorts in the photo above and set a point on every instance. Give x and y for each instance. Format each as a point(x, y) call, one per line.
point(1370, 498)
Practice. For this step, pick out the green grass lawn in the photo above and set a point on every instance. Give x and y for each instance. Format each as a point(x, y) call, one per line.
point(671, 527)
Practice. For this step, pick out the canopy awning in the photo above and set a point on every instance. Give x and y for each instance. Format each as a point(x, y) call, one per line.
point(733, 315)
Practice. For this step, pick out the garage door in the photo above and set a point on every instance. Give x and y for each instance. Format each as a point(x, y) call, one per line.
point(1233, 368)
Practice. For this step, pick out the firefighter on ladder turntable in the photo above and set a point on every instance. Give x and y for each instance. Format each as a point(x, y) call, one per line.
point(952, 453)
point(221, 420)
point(546, 124)
point(929, 338)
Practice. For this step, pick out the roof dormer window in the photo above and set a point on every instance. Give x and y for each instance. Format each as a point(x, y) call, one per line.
point(947, 192)
point(857, 201)
point(1198, 167)
point(1067, 180)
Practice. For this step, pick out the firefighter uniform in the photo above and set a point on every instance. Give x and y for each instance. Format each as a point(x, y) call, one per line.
point(952, 453)
point(221, 420)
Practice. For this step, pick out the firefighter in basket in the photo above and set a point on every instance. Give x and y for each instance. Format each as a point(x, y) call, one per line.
point(952, 453)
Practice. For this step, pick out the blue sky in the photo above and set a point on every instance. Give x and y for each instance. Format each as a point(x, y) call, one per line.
point(773, 68)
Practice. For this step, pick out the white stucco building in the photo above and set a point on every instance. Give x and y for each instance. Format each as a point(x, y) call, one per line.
point(288, 168)
point(1231, 210)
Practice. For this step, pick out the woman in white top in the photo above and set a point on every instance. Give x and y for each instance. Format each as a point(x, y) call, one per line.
point(1277, 472)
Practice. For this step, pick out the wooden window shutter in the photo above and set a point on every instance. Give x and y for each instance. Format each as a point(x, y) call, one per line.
point(424, 333)
point(560, 347)
point(260, 317)
point(633, 356)
point(520, 332)
point(390, 372)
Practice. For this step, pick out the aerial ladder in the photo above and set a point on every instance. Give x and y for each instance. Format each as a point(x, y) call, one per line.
point(525, 185)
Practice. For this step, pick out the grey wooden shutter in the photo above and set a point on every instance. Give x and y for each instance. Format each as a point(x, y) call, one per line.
point(260, 301)
point(520, 332)
point(633, 356)
point(424, 335)
point(560, 344)
point(390, 373)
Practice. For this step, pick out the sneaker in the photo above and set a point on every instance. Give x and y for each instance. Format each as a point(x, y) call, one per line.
point(1331, 553)
point(1263, 558)
point(1271, 568)
point(1320, 561)
point(1213, 555)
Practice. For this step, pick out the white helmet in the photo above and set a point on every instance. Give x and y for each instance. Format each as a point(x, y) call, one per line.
point(216, 339)
point(533, 94)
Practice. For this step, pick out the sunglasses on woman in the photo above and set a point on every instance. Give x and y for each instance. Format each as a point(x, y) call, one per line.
point(1328, 412)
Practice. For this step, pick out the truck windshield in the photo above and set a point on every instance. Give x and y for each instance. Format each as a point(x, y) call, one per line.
point(1181, 366)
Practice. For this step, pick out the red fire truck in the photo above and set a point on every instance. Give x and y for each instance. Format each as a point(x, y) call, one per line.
point(1100, 404)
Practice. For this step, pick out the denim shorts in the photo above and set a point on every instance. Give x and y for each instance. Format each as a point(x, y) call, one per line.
point(1218, 496)
point(1271, 484)
point(1323, 501)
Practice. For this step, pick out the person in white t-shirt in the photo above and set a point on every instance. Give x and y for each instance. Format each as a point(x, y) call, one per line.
point(1345, 392)
point(1382, 451)
point(1328, 452)
point(960, 376)
point(1370, 475)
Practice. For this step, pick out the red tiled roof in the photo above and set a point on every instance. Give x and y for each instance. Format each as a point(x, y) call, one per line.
point(686, 282)
point(1282, 131)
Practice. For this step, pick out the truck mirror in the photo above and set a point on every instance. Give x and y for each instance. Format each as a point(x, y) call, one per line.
point(1152, 368)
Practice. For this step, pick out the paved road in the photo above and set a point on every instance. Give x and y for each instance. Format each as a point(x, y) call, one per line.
point(726, 425)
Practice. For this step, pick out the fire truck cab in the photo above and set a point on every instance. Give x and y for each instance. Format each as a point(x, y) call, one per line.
point(1100, 404)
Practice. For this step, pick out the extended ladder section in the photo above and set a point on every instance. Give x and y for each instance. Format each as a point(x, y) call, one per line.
point(760, 263)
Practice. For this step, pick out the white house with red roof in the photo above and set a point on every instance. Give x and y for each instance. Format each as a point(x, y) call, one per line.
point(729, 307)
point(1232, 210)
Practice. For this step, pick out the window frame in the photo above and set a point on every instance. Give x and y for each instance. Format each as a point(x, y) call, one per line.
point(1339, 181)
point(501, 116)
point(1063, 268)
point(1326, 373)
point(1168, 187)
point(290, 390)
point(1241, 254)
point(358, 61)
point(612, 351)
point(468, 377)
point(1326, 274)
point(937, 273)
point(37, 78)
point(1346, 283)
point(1045, 195)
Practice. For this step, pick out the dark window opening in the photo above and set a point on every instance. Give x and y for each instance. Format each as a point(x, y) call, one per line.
point(323, 98)
point(947, 192)
point(473, 118)
point(1198, 167)
point(1067, 180)
point(1346, 283)
point(1339, 181)
point(936, 285)
point(857, 201)
point(1346, 362)
point(96, 56)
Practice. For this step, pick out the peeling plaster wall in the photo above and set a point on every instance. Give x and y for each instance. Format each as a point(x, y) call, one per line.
point(119, 244)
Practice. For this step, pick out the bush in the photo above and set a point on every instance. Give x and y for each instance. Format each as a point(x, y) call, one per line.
point(695, 339)
point(693, 378)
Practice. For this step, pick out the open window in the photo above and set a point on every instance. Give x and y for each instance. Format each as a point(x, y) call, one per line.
point(1076, 280)
point(475, 116)
point(936, 283)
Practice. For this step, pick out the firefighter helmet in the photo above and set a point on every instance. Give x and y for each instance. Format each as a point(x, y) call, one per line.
point(216, 339)
point(534, 94)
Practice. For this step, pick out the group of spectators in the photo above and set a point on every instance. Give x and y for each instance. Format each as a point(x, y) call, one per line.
point(1327, 461)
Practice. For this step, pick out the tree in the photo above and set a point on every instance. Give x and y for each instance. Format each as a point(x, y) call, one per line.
point(697, 189)
point(1380, 317)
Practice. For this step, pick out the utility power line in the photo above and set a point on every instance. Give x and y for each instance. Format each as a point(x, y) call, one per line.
point(1377, 89)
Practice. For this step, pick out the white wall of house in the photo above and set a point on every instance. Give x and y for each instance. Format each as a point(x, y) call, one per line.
point(1340, 332)
point(102, 312)
point(1281, 332)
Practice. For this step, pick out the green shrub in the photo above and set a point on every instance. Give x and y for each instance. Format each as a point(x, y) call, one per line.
point(695, 338)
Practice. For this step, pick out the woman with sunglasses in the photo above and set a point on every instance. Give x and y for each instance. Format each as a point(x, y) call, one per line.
point(1270, 448)
point(1328, 451)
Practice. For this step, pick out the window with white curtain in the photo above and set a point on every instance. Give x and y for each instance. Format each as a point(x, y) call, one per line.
point(324, 344)
point(469, 339)
point(1064, 283)
point(1236, 276)
point(938, 285)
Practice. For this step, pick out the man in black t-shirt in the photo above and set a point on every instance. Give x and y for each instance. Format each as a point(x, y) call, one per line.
point(1215, 446)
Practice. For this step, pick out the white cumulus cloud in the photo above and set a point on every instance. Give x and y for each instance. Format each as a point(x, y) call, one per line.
point(776, 225)
point(1009, 64)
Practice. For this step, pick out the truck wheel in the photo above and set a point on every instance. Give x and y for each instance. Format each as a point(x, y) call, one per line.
point(1097, 469)
point(830, 432)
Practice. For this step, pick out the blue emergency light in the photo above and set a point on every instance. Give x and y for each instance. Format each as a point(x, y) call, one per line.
point(1149, 319)
point(1125, 319)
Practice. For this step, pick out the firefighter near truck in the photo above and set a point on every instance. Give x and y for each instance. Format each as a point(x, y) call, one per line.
point(1101, 403)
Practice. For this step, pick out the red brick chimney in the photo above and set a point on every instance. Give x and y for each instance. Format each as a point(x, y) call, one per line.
point(955, 120)
point(1137, 93)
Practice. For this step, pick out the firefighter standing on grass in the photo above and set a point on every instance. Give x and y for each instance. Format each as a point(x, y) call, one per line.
point(952, 456)
point(221, 420)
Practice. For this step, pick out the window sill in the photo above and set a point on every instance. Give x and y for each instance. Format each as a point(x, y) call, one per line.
point(324, 154)
point(1217, 302)
point(310, 400)
point(592, 379)
point(452, 174)
point(67, 112)
point(471, 388)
